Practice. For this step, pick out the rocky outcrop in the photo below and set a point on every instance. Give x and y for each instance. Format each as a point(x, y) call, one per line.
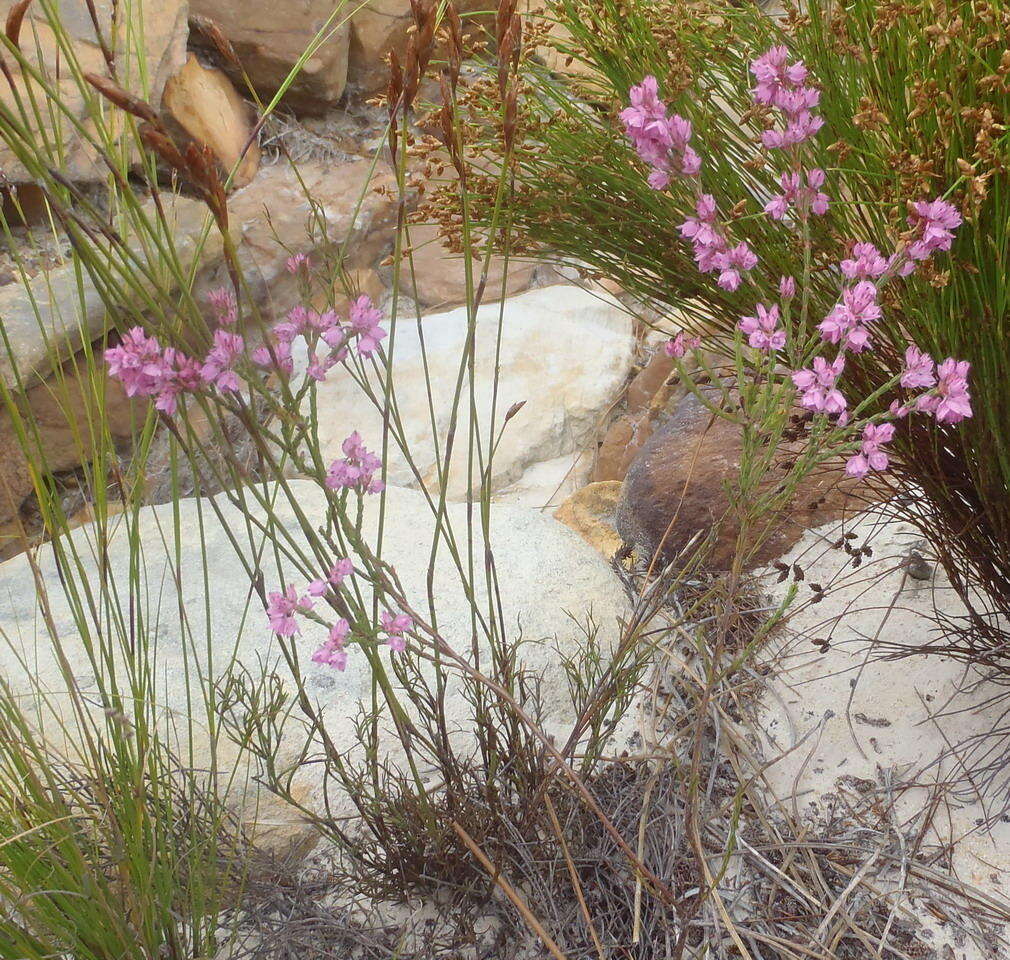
point(564, 355)
point(143, 72)
point(553, 579)
point(379, 27)
point(204, 103)
point(316, 208)
point(270, 38)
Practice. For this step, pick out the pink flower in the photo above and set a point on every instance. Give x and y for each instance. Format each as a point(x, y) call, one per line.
point(701, 229)
point(339, 572)
point(866, 263)
point(222, 300)
point(680, 344)
point(277, 355)
point(281, 610)
point(763, 331)
point(218, 365)
point(846, 323)
point(732, 262)
point(787, 288)
point(364, 321)
point(817, 386)
point(935, 224)
point(395, 627)
point(332, 653)
point(795, 193)
point(357, 470)
point(950, 402)
point(297, 262)
point(919, 369)
point(775, 75)
point(870, 456)
point(147, 370)
point(780, 85)
point(662, 142)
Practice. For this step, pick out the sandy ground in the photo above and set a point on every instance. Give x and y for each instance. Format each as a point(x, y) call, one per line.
point(906, 730)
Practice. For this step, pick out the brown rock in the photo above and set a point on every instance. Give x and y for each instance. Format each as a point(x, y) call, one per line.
point(440, 275)
point(622, 443)
point(381, 26)
point(675, 489)
point(164, 51)
point(67, 415)
point(646, 384)
point(590, 513)
point(277, 220)
point(65, 419)
point(15, 485)
point(270, 37)
point(206, 105)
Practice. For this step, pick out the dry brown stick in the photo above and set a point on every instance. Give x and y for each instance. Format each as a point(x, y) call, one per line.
point(535, 925)
point(576, 883)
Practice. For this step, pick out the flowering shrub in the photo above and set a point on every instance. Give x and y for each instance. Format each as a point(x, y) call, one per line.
point(146, 369)
point(788, 350)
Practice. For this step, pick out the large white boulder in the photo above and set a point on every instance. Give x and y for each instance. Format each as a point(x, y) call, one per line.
point(547, 577)
point(563, 351)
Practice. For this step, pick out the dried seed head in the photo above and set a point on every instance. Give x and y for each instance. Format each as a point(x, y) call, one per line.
point(211, 29)
point(15, 18)
point(123, 99)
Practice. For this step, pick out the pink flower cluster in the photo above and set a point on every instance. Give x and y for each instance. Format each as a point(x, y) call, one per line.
point(866, 263)
point(934, 224)
point(680, 344)
point(662, 141)
point(763, 331)
point(870, 456)
point(357, 470)
point(782, 85)
point(363, 323)
point(146, 369)
point(332, 652)
point(817, 386)
point(847, 323)
point(805, 196)
point(395, 627)
point(283, 609)
point(948, 398)
point(711, 251)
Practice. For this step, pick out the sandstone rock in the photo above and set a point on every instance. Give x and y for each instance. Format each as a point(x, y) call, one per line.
point(277, 220)
point(64, 423)
point(439, 276)
point(380, 26)
point(551, 574)
point(648, 382)
point(63, 310)
point(590, 512)
point(206, 105)
point(15, 486)
point(865, 719)
point(549, 483)
point(622, 443)
point(565, 354)
point(269, 39)
point(164, 51)
point(678, 478)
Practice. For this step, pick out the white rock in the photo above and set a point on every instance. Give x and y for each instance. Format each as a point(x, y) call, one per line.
point(565, 352)
point(545, 486)
point(904, 716)
point(546, 573)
